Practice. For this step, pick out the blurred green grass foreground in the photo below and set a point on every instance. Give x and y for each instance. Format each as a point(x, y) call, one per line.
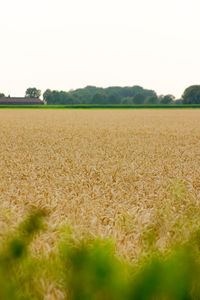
point(89, 269)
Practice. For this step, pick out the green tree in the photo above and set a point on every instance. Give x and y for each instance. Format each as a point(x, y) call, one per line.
point(191, 95)
point(99, 98)
point(47, 96)
point(168, 99)
point(113, 98)
point(2, 95)
point(57, 97)
point(139, 99)
point(178, 101)
point(33, 93)
point(127, 101)
point(152, 100)
point(64, 98)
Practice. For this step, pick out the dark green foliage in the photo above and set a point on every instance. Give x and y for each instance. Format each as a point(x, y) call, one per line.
point(114, 95)
point(152, 100)
point(17, 271)
point(96, 95)
point(93, 272)
point(191, 95)
point(47, 96)
point(89, 270)
point(139, 99)
point(178, 101)
point(105, 106)
point(113, 98)
point(127, 101)
point(33, 93)
point(172, 278)
point(168, 99)
point(57, 97)
point(99, 99)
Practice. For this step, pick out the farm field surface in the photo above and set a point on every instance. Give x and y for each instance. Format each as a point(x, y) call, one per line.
point(125, 174)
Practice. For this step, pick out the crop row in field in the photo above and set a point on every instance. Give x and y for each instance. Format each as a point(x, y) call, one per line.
point(86, 106)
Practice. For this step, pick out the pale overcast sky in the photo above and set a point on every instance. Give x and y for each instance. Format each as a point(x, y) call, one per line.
point(66, 44)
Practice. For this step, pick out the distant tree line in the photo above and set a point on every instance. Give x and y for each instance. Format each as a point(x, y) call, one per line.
point(104, 96)
point(135, 95)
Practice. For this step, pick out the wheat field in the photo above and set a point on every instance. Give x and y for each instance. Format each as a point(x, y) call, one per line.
point(132, 175)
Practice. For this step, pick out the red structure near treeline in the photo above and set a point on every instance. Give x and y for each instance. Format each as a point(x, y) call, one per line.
point(20, 101)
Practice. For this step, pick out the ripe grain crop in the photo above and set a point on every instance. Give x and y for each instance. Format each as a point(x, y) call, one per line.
point(130, 175)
